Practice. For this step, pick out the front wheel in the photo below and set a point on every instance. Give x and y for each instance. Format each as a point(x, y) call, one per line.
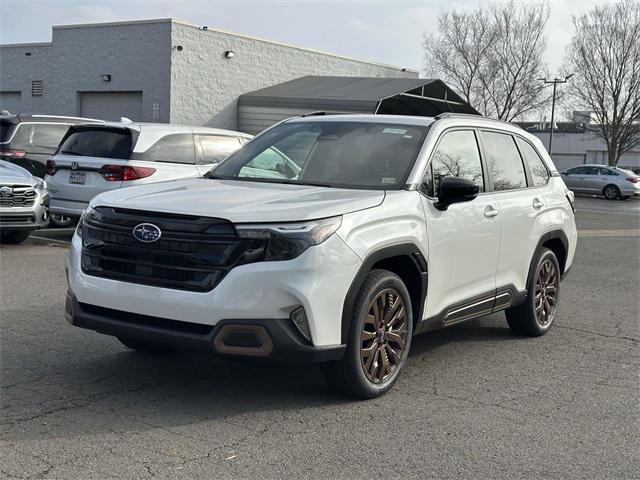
point(379, 338)
point(536, 315)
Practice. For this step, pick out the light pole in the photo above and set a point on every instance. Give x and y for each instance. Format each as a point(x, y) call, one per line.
point(555, 83)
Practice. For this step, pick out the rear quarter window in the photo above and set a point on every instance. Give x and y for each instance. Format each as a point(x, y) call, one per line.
point(6, 130)
point(20, 136)
point(48, 136)
point(103, 143)
point(538, 170)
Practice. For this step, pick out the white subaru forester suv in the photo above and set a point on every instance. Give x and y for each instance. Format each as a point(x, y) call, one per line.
point(331, 239)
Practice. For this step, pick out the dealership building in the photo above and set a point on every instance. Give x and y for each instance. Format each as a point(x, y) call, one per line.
point(159, 71)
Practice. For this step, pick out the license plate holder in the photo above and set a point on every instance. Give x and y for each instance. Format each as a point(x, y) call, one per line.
point(78, 178)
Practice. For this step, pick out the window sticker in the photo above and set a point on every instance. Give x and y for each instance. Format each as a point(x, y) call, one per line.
point(395, 131)
point(389, 180)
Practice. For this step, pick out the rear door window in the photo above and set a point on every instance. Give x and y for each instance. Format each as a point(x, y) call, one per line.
point(539, 171)
point(503, 161)
point(94, 142)
point(172, 148)
point(215, 148)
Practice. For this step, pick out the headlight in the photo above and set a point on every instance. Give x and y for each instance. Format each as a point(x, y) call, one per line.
point(88, 212)
point(284, 241)
point(41, 185)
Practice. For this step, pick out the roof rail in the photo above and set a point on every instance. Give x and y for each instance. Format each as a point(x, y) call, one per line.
point(64, 117)
point(442, 116)
point(314, 114)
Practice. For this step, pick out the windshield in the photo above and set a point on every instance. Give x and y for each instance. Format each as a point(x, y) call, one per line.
point(367, 155)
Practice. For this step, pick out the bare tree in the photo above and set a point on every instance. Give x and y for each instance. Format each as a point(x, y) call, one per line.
point(604, 54)
point(492, 56)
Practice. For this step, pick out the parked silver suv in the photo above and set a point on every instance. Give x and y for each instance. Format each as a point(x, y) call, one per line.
point(24, 203)
point(92, 159)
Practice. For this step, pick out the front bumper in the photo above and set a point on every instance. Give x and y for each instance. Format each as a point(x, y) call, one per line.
point(26, 218)
point(265, 339)
point(317, 280)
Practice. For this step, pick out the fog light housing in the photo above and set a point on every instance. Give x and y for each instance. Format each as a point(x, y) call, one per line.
point(299, 319)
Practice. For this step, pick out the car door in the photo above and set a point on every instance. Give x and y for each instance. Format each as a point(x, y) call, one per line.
point(214, 149)
point(464, 239)
point(522, 206)
point(576, 179)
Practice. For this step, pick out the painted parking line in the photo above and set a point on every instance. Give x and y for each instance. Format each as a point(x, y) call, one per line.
point(610, 233)
point(50, 240)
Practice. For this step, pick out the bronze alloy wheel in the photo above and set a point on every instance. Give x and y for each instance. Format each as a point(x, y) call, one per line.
point(384, 336)
point(546, 293)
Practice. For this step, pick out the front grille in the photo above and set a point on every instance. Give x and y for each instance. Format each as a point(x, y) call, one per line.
point(17, 196)
point(193, 253)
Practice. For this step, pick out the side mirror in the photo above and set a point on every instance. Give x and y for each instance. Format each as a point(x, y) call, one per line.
point(564, 174)
point(455, 190)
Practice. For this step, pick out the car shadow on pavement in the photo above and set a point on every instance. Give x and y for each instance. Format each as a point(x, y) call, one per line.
point(112, 389)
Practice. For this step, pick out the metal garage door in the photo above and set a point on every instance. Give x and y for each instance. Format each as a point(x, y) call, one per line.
point(111, 105)
point(11, 101)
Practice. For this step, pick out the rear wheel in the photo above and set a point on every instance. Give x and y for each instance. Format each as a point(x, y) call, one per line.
point(143, 347)
point(379, 338)
point(62, 221)
point(536, 315)
point(13, 237)
point(611, 192)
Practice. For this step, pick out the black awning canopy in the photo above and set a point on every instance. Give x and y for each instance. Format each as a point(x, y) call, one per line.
point(395, 96)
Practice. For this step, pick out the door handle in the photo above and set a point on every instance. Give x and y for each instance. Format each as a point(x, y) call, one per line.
point(537, 204)
point(490, 212)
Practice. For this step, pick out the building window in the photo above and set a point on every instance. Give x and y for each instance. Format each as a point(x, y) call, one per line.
point(36, 88)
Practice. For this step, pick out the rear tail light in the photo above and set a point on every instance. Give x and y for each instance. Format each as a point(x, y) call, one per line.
point(51, 167)
point(632, 179)
point(10, 153)
point(123, 173)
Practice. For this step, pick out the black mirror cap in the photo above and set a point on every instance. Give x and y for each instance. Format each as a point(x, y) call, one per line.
point(455, 190)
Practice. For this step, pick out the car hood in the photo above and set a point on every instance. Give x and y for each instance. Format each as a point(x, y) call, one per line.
point(10, 173)
point(241, 201)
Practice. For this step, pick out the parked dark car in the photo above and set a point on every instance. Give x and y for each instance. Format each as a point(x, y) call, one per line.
point(28, 140)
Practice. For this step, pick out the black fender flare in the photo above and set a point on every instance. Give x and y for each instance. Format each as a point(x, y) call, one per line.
point(409, 250)
point(552, 235)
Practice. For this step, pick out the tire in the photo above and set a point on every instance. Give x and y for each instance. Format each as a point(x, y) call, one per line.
point(144, 347)
point(377, 346)
point(611, 192)
point(14, 237)
point(528, 318)
point(62, 221)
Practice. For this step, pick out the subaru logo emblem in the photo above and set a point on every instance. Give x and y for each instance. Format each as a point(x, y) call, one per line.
point(75, 165)
point(5, 190)
point(146, 232)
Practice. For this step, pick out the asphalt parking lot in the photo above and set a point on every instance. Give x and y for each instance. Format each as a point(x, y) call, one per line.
point(474, 402)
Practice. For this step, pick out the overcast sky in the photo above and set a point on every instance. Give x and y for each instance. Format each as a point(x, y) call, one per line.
point(385, 31)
